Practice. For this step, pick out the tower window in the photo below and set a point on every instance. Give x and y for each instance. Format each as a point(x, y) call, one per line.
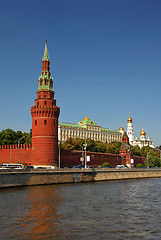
point(45, 96)
point(51, 84)
point(35, 122)
point(45, 122)
point(45, 102)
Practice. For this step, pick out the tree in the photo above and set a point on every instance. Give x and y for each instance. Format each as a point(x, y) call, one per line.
point(27, 137)
point(67, 145)
point(92, 146)
point(8, 137)
point(154, 161)
point(113, 147)
point(105, 164)
point(139, 165)
point(100, 147)
point(136, 150)
point(145, 150)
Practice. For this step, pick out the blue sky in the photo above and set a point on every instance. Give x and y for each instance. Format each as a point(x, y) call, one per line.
point(105, 54)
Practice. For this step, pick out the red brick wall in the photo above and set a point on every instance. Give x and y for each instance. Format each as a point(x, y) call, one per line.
point(138, 160)
point(70, 158)
point(8, 155)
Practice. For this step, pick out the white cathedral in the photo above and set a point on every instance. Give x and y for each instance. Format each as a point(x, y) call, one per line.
point(143, 142)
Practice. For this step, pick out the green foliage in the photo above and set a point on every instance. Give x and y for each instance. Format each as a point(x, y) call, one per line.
point(105, 164)
point(92, 146)
point(8, 137)
point(145, 150)
point(113, 147)
point(154, 161)
point(72, 144)
point(139, 165)
point(136, 150)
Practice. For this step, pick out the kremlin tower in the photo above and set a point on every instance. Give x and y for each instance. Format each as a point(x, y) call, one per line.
point(125, 151)
point(45, 116)
point(130, 132)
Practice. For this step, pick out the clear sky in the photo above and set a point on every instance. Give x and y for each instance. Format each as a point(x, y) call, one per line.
point(105, 54)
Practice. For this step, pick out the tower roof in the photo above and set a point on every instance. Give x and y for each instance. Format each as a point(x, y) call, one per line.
point(129, 120)
point(46, 56)
point(45, 80)
point(142, 133)
point(125, 134)
point(121, 128)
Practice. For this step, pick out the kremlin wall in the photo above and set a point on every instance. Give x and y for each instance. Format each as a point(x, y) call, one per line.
point(44, 148)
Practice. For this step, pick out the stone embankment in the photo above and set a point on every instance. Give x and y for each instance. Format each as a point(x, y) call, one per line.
point(15, 178)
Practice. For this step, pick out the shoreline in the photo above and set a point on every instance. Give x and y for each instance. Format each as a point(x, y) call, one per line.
point(16, 178)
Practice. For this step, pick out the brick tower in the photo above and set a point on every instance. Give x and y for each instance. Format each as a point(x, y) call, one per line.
point(125, 151)
point(45, 115)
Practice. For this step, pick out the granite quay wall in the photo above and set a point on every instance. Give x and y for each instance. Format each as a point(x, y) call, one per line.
point(126, 174)
point(13, 178)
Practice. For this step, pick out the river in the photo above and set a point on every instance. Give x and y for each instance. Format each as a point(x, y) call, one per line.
point(101, 210)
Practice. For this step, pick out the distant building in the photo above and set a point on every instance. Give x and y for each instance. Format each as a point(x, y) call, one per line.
point(87, 129)
point(142, 142)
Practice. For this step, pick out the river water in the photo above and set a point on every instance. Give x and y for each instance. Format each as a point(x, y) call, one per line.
point(104, 210)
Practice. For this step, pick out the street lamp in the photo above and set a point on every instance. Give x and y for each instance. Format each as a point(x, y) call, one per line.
point(85, 157)
point(59, 152)
point(148, 159)
point(18, 148)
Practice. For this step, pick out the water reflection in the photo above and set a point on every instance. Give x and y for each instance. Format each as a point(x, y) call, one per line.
point(33, 214)
point(41, 217)
point(105, 210)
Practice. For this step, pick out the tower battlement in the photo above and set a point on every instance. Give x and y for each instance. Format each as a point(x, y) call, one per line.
point(15, 146)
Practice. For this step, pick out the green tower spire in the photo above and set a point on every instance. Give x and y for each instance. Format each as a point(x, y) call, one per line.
point(46, 51)
point(45, 80)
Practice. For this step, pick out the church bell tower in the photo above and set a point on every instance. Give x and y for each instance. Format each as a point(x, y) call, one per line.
point(130, 132)
point(45, 116)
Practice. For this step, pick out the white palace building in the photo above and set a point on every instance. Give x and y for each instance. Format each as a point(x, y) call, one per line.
point(87, 129)
point(142, 142)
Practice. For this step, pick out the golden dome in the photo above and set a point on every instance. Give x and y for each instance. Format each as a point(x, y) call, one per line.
point(143, 133)
point(86, 118)
point(121, 128)
point(129, 120)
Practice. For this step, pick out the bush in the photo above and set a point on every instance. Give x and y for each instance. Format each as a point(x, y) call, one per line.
point(139, 165)
point(105, 164)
